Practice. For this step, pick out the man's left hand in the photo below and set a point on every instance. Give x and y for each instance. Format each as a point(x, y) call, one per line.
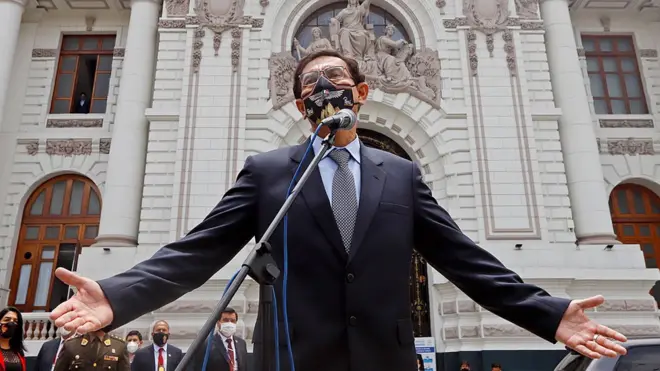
point(585, 336)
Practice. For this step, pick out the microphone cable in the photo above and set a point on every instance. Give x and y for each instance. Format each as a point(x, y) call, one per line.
point(285, 314)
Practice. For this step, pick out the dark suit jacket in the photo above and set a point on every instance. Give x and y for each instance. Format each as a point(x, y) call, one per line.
point(144, 358)
point(84, 108)
point(345, 311)
point(218, 359)
point(46, 356)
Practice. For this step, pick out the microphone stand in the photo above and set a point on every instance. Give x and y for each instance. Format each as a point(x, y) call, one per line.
point(262, 268)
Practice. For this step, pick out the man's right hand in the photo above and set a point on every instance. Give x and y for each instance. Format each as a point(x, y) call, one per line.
point(88, 310)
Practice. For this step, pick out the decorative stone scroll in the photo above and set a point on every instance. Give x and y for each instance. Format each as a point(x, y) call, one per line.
point(104, 145)
point(177, 7)
point(648, 53)
point(510, 50)
point(393, 66)
point(74, 123)
point(441, 4)
point(44, 53)
point(527, 9)
point(487, 16)
point(172, 23)
point(32, 147)
point(626, 123)
point(119, 52)
point(69, 147)
point(629, 147)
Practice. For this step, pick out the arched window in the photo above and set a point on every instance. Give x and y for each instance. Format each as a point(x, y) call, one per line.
point(378, 18)
point(636, 217)
point(60, 217)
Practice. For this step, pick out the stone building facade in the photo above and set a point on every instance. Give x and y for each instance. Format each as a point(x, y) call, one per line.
point(534, 124)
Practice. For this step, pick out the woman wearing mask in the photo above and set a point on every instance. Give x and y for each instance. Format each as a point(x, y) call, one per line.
point(12, 350)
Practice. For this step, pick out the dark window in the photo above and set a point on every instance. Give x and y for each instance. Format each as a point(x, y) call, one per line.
point(84, 67)
point(614, 77)
point(60, 217)
point(641, 358)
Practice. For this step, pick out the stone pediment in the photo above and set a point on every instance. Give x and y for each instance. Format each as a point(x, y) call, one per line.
point(393, 66)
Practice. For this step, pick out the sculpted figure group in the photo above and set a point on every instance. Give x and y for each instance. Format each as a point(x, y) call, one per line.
point(391, 65)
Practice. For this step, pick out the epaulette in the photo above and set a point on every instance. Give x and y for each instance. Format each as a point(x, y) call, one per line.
point(74, 336)
point(117, 338)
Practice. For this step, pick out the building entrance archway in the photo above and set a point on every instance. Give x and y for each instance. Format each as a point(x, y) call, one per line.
point(418, 282)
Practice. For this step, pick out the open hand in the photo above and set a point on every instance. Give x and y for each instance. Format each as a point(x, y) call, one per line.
point(585, 336)
point(87, 311)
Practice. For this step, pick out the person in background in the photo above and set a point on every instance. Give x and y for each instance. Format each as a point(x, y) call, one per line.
point(133, 343)
point(420, 363)
point(465, 366)
point(495, 367)
point(93, 351)
point(161, 356)
point(12, 349)
point(50, 351)
point(228, 351)
point(82, 106)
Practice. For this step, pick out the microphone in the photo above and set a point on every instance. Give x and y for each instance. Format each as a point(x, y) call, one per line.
point(345, 119)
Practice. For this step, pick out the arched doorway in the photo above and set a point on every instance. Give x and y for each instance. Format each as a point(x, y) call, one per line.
point(636, 217)
point(419, 289)
point(59, 218)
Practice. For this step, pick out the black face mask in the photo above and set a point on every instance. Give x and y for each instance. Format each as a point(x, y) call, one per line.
point(326, 99)
point(160, 338)
point(11, 329)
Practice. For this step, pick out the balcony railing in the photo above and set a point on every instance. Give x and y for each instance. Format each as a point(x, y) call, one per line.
point(37, 326)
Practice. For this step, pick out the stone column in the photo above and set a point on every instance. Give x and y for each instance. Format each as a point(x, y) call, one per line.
point(586, 188)
point(11, 13)
point(122, 197)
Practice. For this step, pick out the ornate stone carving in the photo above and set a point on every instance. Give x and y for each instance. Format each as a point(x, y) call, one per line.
point(626, 123)
point(531, 26)
point(394, 66)
point(648, 53)
point(236, 39)
point(104, 145)
point(282, 67)
point(581, 53)
point(257, 22)
point(510, 49)
point(217, 38)
point(527, 9)
point(119, 52)
point(74, 123)
point(176, 7)
point(487, 16)
point(455, 22)
point(172, 23)
point(32, 147)
point(197, 48)
point(264, 5)
point(472, 51)
point(441, 5)
point(220, 15)
point(44, 53)
point(630, 147)
point(68, 147)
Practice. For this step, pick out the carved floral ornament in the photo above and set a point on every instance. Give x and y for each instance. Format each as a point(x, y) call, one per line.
point(66, 147)
point(393, 66)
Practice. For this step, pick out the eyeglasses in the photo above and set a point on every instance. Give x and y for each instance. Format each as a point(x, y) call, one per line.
point(333, 73)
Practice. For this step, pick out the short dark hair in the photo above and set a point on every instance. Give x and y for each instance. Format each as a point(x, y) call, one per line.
point(495, 365)
point(134, 333)
point(353, 68)
point(230, 310)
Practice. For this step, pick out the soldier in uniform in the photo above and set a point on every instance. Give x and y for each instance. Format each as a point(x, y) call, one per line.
point(94, 351)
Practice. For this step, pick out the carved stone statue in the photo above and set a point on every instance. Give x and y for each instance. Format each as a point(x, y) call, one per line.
point(394, 66)
point(317, 43)
point(347, 29)
point(527, 9)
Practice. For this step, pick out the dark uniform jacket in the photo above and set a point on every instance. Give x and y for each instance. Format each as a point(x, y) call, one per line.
point(89, 353)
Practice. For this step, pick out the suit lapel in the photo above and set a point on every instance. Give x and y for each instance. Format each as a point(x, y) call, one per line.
point(221, 347)
point(316, 199)
point(373, 180)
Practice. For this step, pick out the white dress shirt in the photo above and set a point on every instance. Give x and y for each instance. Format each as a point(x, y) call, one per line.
point(59, 349)
point(328, 167)
point(156, 347)
point(233, 346)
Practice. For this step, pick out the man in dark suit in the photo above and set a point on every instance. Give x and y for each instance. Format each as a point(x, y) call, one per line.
point(82, 105)
point(350, 239)
point(160, 356)
point(49, 351)
point(228, 351)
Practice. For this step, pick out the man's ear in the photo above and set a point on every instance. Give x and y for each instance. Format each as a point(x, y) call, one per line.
point(301, 107)
point(362, 93)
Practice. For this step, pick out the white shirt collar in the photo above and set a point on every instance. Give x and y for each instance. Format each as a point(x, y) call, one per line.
point(353, 148)
point(156, 347)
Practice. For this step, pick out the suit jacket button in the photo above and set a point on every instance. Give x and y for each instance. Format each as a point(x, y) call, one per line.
point(352, 320)
point(350, 277)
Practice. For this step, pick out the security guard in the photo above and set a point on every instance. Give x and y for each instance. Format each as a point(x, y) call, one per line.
point(95, 351)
